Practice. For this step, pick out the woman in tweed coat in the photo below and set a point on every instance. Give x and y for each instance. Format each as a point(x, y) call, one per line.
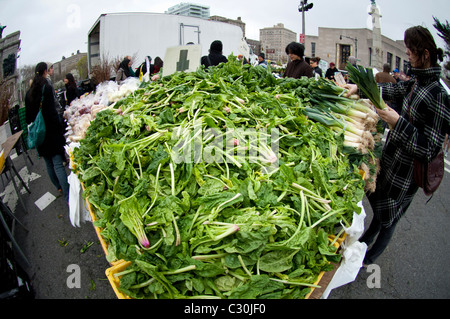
point(417, 132)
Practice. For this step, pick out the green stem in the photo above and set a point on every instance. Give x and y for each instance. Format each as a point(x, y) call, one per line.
point(123, 273)
point(207, 257)
point(177, 231)
point(286, 282)
point(326, 217)
point(172, 176)
point(139, 161)
point(230, 231)
point(243, 266)
point(312, 194)
point(144, 284)
point(178, 271)
point(156, 191)
point(230, 200)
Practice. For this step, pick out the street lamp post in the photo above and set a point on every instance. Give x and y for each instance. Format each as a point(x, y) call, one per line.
point(303, 7)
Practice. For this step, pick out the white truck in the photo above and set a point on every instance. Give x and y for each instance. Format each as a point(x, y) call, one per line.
point(116, 35)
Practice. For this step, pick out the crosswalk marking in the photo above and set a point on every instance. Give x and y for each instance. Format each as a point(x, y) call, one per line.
point(9, 194)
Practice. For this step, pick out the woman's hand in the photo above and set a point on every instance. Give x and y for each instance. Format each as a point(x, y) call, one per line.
point(389, 115)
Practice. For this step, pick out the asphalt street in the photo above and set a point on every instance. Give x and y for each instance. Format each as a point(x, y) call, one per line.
point(414, 266)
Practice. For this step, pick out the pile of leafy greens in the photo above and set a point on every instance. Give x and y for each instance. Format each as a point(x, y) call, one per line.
point(230, 227)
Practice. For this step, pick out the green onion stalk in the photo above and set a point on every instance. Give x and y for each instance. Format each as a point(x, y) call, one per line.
point(365, 80)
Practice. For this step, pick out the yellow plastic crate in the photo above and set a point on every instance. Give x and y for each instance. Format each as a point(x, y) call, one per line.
point(93, 218)
point(98, 230)
point(122, 265)
point(115, 280)
point(337, 244)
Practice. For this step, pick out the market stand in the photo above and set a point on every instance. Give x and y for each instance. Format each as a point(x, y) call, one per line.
point(118, 265)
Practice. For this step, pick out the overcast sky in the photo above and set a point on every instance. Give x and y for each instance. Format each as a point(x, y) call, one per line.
point(51, 29)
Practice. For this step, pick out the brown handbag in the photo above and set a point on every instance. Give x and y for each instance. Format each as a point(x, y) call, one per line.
point(428, 176)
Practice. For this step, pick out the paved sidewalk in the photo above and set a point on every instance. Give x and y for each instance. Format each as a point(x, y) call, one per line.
point(52, 245)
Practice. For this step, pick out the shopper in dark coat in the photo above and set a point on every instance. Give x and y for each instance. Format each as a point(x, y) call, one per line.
point(71, 88)
point(331, 71)
point(52, 149)
point(297, 67)
point(314, 62)
point(417, 132)
point(142, 69)
point(123, 72)
point(159, 64)
point(215, 56)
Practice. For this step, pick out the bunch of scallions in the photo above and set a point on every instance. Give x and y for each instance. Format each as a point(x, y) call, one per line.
point(365, 80)
point(355, 119)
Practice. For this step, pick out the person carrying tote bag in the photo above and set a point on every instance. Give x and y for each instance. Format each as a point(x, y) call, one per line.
point(416, 133)
point(36, 130)
point(52, 148)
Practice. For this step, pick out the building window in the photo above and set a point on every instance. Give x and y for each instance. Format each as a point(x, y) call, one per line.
point(405, 66)
point(345, 53)
point(389, 59)
point(313, 49)
point(398, 61)
point(370, 56)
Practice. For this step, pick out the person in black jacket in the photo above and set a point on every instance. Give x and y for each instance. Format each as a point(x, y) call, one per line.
point(331, 72)
point(215, 56)
point(314, 62)
point(142, 69)
point(124, 70)
point(52, 149)
point(416, 133)
point(297, 66)
point(71, 88)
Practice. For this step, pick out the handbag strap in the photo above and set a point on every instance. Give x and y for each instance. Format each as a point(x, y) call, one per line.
point(42, 97)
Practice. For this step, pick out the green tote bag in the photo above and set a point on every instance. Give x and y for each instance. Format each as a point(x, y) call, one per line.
point(36, 130)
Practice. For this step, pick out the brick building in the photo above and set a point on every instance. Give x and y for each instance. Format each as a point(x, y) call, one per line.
point(336, 45)
point(274, 41)
point(67, 65)
point(9, 75)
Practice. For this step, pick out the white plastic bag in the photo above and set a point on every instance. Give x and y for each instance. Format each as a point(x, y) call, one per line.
point(74, 199)
point(355, 231)
point(353, 253)
point(77, 210)
point(352, 258)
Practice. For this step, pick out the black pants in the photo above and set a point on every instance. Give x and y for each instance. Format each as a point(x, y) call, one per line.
point(384, 236)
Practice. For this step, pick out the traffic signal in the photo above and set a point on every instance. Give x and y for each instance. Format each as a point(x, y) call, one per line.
point(305, 6)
